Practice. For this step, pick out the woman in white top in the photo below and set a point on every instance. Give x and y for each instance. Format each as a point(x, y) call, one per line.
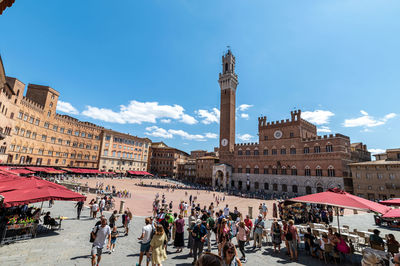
point(322, 242)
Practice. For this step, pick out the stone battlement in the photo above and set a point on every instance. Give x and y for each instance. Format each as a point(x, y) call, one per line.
point(326, 137)
point(254, 144)
point(72, 120)
point(295, 119)
point(32, 104)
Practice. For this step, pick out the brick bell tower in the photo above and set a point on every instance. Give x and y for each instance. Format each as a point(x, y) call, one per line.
point(228, 82)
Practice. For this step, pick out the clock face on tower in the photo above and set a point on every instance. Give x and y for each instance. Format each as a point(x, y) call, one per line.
point(278, 134)
point(224, 142)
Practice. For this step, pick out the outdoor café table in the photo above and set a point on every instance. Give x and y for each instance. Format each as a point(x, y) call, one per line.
point(367, 233)
point(342, 229)
point(319, 226)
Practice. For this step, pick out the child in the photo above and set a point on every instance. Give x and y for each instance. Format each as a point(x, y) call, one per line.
point(114, 234)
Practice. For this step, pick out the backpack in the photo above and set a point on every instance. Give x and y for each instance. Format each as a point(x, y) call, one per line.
point(91, 240)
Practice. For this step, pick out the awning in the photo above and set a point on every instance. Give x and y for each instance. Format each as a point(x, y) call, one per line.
point(393, 213)
point(139, 173)
point(338, 198)
point(82, 171)
point(392, 202)
point(33, 189)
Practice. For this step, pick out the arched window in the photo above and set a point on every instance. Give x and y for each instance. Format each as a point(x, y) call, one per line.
point(318, 171)
point(331, 171)
point(226, 67)
point(284, 187)
point(308, 190)
point(275, 187)
point(307, 171)
point(266, 186)
point(256, 170)
point(294, 170)
point(240, 184)
point(283, 171)
point(247, 169)
point(256, 185)
point(294, 189)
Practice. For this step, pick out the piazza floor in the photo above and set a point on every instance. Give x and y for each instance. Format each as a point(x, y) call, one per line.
point(70, 246)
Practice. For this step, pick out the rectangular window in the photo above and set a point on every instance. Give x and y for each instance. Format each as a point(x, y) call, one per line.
point(67, 142)
point(274, 152)
point(247, 152)
point(34, 135)
point(28, 133)
point(46, 125)
point(20, 115)
point(291, 134)
point(25, 117)
point(306, 150)
point(283, 151)
point(69, 132)
point(53, 140)
point(283, 171)
point(50, 153)
point(76, 133)
point(265, 152)
point(90, 136)
point(40, 152)
point(256, 171)
point(55, 128)
point(266, 171)
point(256, 152)
point(62, 129)
point(22, 132)
point(37, 122)
point(307, 172)
point(60, 141)
point(294, 171)
point(119, 154)
point(274, 171)
point(44, 137)
point(81, 145)
point(331, 172)
point(31, 120)
point(83, 134)
point(317, 149)
point(329, 148)
point(240, 152)
point(239, 170)
point(105, 152)
point(318, 172)
point(16, 130)
point(292, 150)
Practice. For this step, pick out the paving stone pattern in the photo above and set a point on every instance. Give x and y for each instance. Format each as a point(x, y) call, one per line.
point(71, 246)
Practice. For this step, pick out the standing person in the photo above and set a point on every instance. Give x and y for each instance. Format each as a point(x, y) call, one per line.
point(158, 246)
point(102, 205)
point(147, 232)
point(226, 211)
point(210, 228)
point(113, 219)
point(276, 232)
point(191, 226)
point(114, 235)
point(95, 209)
point(258, 231)
point(265, 210)
point(249, 225)
point(229, 255)
point(90, 207)
point(199, 235)
point(100, 234)
point(242, 238)
point(79, 206)
point(179, 231)
point(292, 236)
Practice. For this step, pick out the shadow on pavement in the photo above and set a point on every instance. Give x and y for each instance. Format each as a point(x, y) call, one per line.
point(81, 257)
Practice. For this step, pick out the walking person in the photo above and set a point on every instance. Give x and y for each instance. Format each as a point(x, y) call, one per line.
point(249, 225)
point(292, 236)
point(101, 234)
point(95, 209)
point(114, 235)
point(157, 246)
point(179, 231)
point(113, 219)
point(147, 232)
point(242, 238)
point(79, 206)
point(276, 232)
point(258, 231)
point(199, 235)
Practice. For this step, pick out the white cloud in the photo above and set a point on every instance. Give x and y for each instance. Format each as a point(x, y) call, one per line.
point(138, 112)
point(318, 117)
point(324, 129)
point(244, 137)
point(245, 116)
point(158, 132)
point(211, 135)
point(66, 107)
point(244, 107)
point(209, 116)
point(170, 133)
point(165, 121)
point(376, 151)
point(367, 121)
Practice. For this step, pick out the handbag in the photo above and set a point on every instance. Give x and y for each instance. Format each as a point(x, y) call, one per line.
point(91, 240)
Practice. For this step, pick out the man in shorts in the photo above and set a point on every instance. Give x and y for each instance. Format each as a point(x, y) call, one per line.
point(102, 236)
point(147, 232)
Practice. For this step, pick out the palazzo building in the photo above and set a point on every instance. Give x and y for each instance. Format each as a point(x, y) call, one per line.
point(379, 179)
point(289, 157)
point(121, 152)
point(164, 160)
point(43, 137)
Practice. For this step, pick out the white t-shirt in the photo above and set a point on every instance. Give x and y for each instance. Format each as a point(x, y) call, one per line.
point(226, 211)
point(101, 236)
point(146, 230)
point(102, 203)
point(185, 206)
point(264, 208)
point(95, 207)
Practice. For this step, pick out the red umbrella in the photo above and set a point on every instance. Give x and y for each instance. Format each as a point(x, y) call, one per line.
point(339, 198)
point(393, 213)
point(33, 189)
point(392, 202)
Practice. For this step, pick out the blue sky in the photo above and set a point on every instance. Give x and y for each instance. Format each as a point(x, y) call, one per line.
point(150, 68)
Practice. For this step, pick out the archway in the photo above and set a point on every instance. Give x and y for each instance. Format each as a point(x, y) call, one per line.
point(219, 180)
